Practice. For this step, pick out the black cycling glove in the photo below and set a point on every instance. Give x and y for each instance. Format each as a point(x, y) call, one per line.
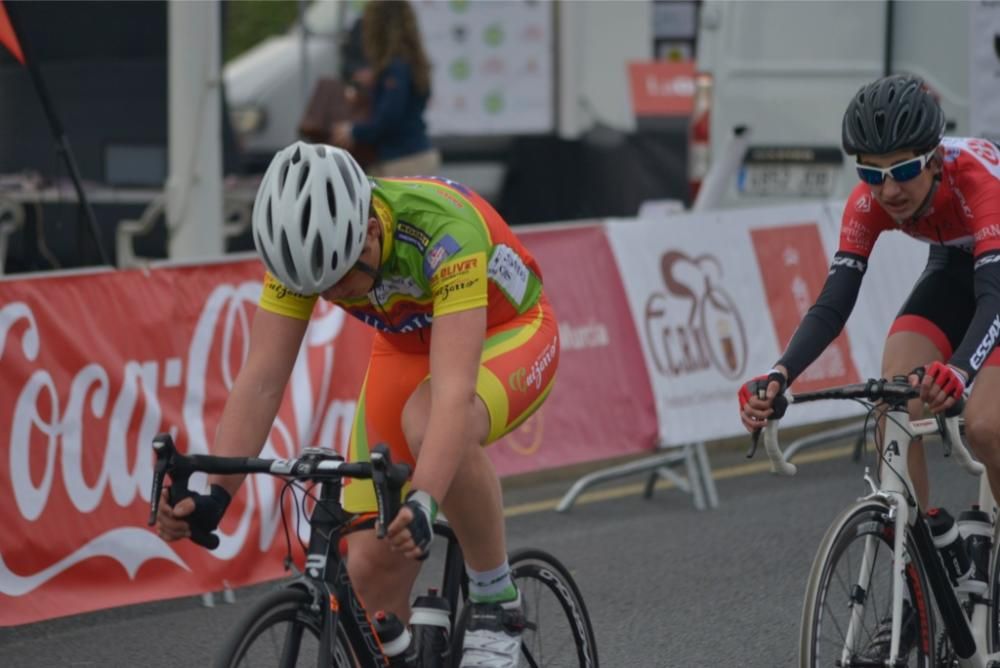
point(208, 511)
point(424, 509)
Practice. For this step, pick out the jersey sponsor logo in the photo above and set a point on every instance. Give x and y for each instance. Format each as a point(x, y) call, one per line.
point(507, 270)
point(991, 231)
point(410, 234)
point(992, 258)
point(524, 379)
point(951, 153)
point(441, 251)
point(857, 235)
point(863, 203)
point(849, 263)
point(443, 292)
point(985, 150)
point(987, 345)
point(457, 268)
point(395, 285)
point(411, 324)
point(279, 291)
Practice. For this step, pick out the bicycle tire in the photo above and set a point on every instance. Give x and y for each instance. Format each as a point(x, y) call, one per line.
point(993, 613)
point(279, 608)
point(539, 575)
point(821, 643)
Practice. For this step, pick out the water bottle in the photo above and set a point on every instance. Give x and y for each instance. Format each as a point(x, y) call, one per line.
point(952, 550)
point(396, 640)
point(431, 624)
point(977, 532)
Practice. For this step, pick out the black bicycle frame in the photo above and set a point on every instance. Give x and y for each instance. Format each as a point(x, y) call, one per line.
point(326, 569)
point(962, 642)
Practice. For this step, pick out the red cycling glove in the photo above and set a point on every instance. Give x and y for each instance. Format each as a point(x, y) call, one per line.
point(758, 385)
point(948, 378)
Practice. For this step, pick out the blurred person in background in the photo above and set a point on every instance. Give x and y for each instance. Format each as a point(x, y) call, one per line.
point(944, 191)
point(399, 76)
point(466, 348)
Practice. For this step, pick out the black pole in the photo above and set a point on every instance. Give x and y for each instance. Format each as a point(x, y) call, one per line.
point(890, 20)
point(62, 142)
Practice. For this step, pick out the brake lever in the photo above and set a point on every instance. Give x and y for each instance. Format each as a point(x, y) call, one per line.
point(168, 461)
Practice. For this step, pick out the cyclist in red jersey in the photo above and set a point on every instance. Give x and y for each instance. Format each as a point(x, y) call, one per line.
point(946, 192)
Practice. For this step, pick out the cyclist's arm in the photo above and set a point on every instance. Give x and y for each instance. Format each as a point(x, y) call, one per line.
point(456, 347)
point(981, 336)
point(826, 318)
point(253, 402)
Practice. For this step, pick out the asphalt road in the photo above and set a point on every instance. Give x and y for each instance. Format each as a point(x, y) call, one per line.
point(666, 585)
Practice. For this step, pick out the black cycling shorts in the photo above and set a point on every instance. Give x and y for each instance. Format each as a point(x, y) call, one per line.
point(942, 302)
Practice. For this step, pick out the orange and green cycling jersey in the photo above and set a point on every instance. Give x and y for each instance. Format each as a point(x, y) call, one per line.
point(444, 250)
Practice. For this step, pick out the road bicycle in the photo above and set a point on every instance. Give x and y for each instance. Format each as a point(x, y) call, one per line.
point(877, 578)
point(315, 617)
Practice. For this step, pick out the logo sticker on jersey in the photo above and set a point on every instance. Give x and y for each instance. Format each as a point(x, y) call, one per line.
point(441, 251)
point(396, 285)
point(864, 204)
point(409, 234)
point(509, 272)
point(987, 345)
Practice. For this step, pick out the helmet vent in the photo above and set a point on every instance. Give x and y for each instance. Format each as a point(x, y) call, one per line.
point(306, 216)
point(331, 200)
point(288, 262)
point(282, 175)
point(349, 240)
point(879, 119)
point(270, 220)
point(321, 151)
point(296, 156)
point(303, 177)
point(317, 259)
point(334, 261)
point(346, 175)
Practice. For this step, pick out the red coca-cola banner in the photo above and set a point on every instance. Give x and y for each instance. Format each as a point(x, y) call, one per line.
point(94, 365)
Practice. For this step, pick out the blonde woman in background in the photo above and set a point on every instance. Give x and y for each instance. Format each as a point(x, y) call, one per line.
point(400, 76)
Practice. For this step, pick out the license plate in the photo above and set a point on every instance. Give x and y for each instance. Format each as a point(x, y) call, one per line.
point(787, 180)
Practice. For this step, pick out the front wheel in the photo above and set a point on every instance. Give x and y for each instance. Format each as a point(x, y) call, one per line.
point(848, 600)
point(558, 633)
point(281, 630)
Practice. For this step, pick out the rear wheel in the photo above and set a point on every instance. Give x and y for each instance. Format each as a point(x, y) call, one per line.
point(281, 630)
point(849, 596)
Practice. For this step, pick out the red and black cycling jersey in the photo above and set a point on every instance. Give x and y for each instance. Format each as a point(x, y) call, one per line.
point(963, 215)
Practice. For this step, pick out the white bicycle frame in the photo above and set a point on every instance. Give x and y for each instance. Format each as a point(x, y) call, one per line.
point(895, 489)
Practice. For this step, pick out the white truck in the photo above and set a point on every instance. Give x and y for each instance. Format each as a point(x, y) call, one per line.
point(786, 70)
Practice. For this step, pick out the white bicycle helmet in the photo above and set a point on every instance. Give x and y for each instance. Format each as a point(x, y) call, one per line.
point(310, 216)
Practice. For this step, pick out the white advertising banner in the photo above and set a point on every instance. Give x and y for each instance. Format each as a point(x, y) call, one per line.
point(984, 69)
point(716, 296)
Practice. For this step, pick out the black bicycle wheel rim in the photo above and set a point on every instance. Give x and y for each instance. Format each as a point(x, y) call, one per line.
point(535, 571)
point(281, 630)
point(831, 606)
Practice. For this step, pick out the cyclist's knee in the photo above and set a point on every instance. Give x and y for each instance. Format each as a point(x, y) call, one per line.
point(982, 430)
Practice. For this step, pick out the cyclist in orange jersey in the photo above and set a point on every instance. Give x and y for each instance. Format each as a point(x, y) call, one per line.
point(466, 348)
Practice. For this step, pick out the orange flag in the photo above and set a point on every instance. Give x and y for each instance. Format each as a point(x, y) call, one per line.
point(8, 37)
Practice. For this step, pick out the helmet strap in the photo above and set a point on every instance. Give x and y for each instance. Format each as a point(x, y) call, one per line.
point(368, 270)
point(926, 204)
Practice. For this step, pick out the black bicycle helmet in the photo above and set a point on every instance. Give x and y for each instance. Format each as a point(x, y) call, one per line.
point(893, 113)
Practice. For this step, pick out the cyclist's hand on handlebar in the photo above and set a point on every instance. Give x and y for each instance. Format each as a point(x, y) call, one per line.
point(413, 529)
point(204, 511)
point(754, 408)
point(941, 385)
